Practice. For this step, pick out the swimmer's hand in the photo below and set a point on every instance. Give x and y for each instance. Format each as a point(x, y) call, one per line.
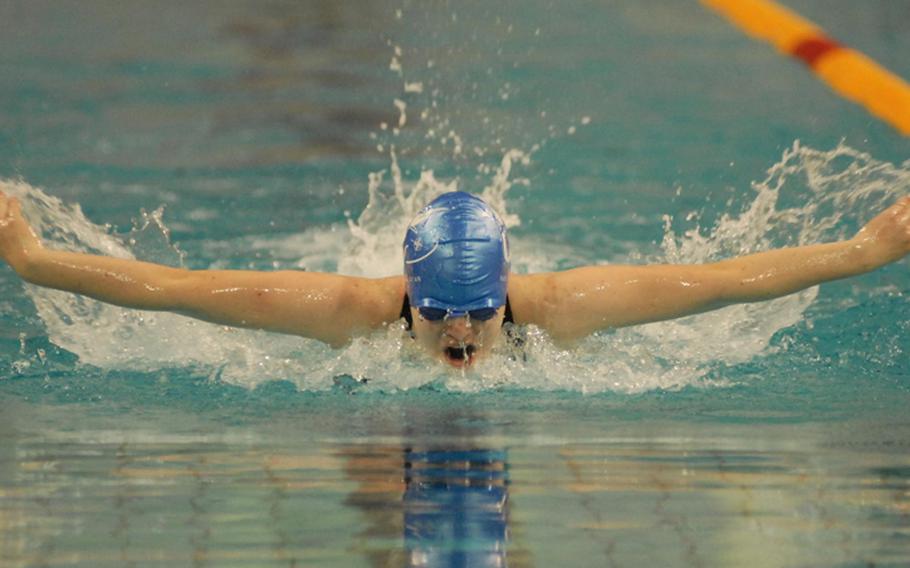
point(886, 238)
point(17, 239)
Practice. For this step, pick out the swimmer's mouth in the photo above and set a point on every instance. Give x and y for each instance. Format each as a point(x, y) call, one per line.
point(460, 354)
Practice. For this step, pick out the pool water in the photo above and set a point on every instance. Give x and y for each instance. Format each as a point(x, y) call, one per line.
point(272, 135)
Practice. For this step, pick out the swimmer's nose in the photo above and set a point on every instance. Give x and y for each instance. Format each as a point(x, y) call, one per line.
point(458, 328)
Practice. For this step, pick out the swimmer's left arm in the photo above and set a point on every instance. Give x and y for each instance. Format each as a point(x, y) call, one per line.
point(575, 303)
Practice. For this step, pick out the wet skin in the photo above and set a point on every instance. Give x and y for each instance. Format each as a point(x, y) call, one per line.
point(568, 305)
point(457, 341)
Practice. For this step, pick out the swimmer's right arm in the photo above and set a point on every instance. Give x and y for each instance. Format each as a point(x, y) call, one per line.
point(574, 303)
point(327, 307)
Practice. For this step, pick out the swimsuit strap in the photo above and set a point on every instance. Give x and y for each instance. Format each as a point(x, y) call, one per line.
point(406, 312)
point(508, 314)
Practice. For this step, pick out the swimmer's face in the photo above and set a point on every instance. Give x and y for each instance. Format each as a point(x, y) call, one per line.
point(459, 341)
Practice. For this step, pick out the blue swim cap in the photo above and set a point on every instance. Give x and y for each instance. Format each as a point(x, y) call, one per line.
point(456, 255)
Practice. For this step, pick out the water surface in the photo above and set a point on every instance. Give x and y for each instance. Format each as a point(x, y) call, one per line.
point(287, 135)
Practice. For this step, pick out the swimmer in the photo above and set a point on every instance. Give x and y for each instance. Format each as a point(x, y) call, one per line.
point(457, 290)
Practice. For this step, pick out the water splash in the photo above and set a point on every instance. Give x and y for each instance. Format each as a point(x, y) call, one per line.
point(115, 338)
point(808, 196)
point(378, 231)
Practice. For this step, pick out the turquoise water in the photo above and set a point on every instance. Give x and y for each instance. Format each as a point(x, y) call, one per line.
point(276, 135)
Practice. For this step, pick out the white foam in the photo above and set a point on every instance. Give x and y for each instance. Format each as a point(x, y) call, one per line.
point(808, 196)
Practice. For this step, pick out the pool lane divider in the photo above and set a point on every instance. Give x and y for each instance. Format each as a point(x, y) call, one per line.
point(847, 71)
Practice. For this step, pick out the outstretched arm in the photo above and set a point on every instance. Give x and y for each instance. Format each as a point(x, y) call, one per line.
point(575, 303)
point(327, 307)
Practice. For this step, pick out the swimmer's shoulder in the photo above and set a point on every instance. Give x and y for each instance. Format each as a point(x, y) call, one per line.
point(529, 296)
point(359, 306)
point(378, 300)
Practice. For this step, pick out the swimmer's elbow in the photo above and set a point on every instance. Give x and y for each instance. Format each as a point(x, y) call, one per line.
point(178, 285)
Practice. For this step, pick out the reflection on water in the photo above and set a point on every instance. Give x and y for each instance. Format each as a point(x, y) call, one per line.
point(447, 507)
point(439, 487)
point(440, 497)
point(442, 507)
point(456, 507)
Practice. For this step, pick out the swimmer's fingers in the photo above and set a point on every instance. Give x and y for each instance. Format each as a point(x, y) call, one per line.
point(15, 209)
point(891, 216)
point(10, 210)
point(906, 217)
point(886, 238)
point(902, 217)
point(17, 239)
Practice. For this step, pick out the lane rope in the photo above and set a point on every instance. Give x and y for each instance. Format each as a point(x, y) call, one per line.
point(848, 72)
